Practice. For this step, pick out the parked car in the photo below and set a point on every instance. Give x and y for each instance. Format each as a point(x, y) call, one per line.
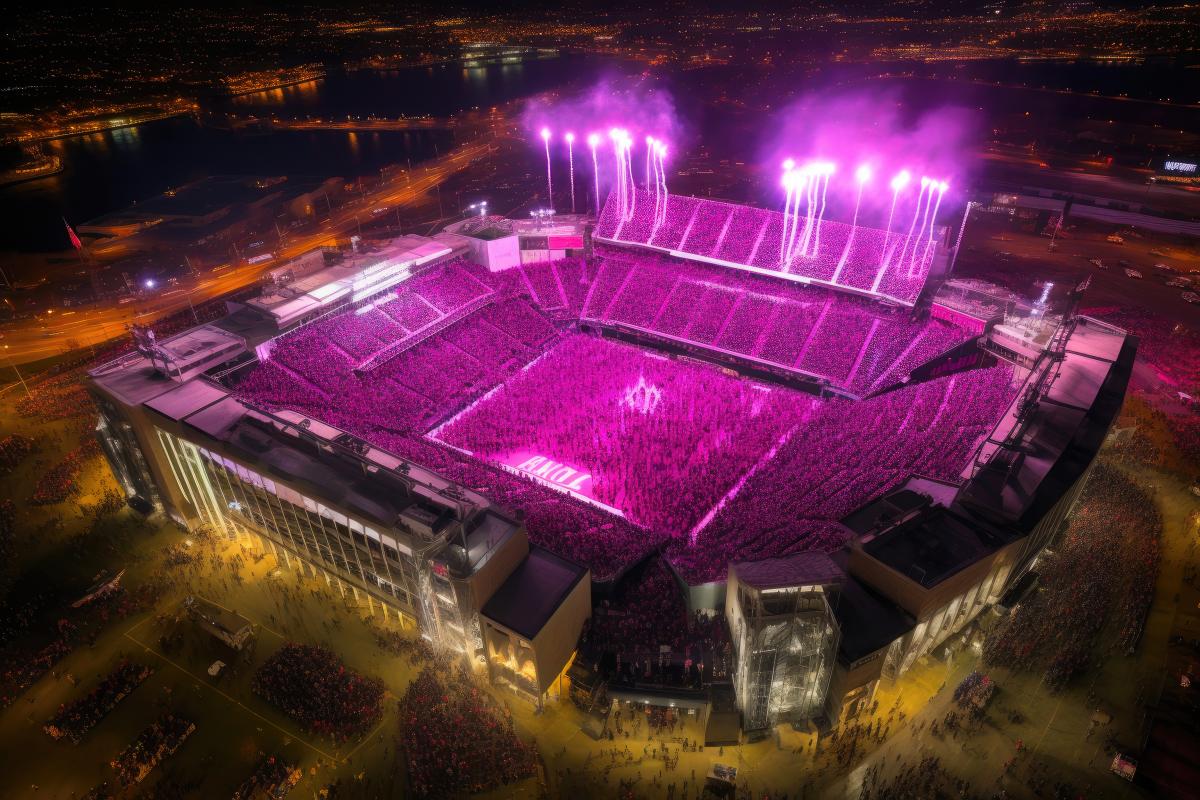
point(1165, 267)
point(1133, 273)
point(1097, 263)
point(1115, 239)
point(1190, 297)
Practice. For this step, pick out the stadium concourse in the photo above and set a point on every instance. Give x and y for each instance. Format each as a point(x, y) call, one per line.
point(663, 453)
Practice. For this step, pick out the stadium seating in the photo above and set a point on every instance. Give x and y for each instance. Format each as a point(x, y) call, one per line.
point(717, 469)
point(863, 258)
point(850, 341)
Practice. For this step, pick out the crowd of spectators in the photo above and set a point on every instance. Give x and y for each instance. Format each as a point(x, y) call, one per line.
point(859, 257)
point(634, 422)
point(73, 721)
point(152, 745)
point(1100, 578)
point(61, 480)
point(456, 739)
point(8, 523)
point(838, 456)
point(714, 439)
point(272, 777)
point(314, 687)
point(57, 397)
point(645, 634)
point(1173, 351)
point(846, 340)
point(14, 449)
point(974, 691)
point(22, 668)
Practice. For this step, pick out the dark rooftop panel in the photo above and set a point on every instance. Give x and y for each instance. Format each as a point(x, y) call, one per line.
point(935, 545)
point(525, 602)
point(868, 621)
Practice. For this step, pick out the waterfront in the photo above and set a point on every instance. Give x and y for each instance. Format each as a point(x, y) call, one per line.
point(108, 171)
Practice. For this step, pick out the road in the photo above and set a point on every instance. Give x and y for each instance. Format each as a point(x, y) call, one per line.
point(414, 124)
point(59, 331)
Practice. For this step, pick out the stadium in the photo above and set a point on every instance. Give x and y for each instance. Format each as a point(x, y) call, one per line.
point(783, 473)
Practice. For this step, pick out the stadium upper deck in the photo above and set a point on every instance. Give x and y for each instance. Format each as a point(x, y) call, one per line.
point(855, 259)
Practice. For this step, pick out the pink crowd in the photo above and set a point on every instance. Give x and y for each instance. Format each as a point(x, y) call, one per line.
point(634, 421)
point(846, 340)
point(506, 377)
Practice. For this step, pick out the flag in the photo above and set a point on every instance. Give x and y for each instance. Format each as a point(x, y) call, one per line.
point(78, 245)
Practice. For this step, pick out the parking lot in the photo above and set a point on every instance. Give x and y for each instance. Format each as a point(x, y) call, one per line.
point(1006, 250)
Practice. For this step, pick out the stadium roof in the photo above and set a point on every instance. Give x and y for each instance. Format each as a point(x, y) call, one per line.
point(808, 568)
point(935, 544)
point(527, 600)
point(867, 620)
point(351, 280)
point(1061, 434)
point(186, 399)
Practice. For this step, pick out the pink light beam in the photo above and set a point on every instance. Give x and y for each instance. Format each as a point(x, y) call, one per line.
point(827, 170)
point(941, 187)
point(549, 182)
point(912, 259)
point(593, 141)
point(861, 175)
point(898, 183)
point(925, 182)
point(649, 153)
point(570, 137)
point(789, 185)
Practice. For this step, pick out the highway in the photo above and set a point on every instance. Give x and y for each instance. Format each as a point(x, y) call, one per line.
point(57, 331)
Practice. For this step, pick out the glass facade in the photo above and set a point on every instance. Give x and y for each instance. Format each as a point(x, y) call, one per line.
point(786, 643)
point(235, 500)
point(124, 454)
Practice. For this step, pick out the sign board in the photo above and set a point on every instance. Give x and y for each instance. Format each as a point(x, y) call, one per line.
point(565, 242)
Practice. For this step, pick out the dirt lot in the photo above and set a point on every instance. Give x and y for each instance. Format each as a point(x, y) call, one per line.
point(1006, 250)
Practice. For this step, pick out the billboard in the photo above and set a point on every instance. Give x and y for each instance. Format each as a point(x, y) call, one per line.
point(1187, 168)
point(565, 242)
